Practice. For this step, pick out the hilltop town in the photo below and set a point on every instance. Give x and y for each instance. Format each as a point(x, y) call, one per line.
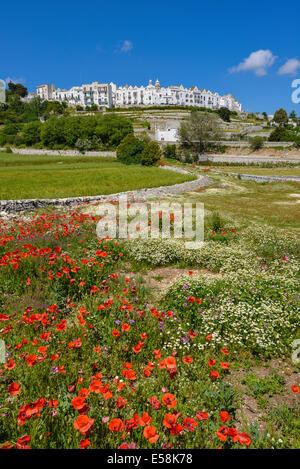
point(111, 95)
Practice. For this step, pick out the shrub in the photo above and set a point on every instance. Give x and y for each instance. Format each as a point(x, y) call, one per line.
point(256, 143)
point(130, 150)
point(32, 133)
point(280, 134)
point(170, 151)
point(151, 154)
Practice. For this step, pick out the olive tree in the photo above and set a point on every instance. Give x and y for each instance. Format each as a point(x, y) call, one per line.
point(199, 130)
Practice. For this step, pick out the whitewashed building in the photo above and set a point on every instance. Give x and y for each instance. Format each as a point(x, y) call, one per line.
point(86, 95)
point(45, 92)
point(111, 95)
point(166, 135)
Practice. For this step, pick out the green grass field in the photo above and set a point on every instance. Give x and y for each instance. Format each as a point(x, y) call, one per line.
point(33, 176)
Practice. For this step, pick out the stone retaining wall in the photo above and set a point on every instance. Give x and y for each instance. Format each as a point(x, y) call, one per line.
point(12, 206)
point(33, 151)
point(260, 178)
point(247, 159)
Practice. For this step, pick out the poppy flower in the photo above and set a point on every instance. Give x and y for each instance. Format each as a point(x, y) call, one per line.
point(83, 423)
point(150, 434)
point(234, 434)
point(225, 365)
point(176, 429)
point(244, 439)
point(211, 362)
point(78, 403)
point(201, 416)
point(120, 402)
point(189, 424)
point(224, 416)
point(170, 363)
point(187, 360)
point(214, 374)
point(22, 442)
point(84, 443)
point(222, 433)
point(14, 389)
point(116, 425)
point(170, 420)
point(295, 389)
point(145, 419)
point(31, 360)
point(169, 400)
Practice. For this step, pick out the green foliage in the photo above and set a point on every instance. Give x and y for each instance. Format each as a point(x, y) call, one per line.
point(170, 151)
point(270, 385)
point(151, 154)
point(224, 113)
point(281, 117)
point(280, 134)
point(216, 223)
point(32, 133)
point(130, 150)
point(17, 89)
point(96, 131)
point(256, 143)
point(199, 130)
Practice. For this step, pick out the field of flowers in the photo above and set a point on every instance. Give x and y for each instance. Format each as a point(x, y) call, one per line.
point(96, 359)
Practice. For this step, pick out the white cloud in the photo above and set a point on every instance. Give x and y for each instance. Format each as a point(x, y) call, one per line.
point(126, 46)
point(290, 67)
point(257, 62)
point(15, 80)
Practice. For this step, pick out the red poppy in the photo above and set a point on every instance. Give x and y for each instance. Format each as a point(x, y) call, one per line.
point(201, 416)
point(244, 439)
point(224, 416)
point(14, 389)
point(170, 420)
point(169, 400)
point(150, 434)
point(84, 443)
point(187, 360)
point(83, 423)
point(116, 425)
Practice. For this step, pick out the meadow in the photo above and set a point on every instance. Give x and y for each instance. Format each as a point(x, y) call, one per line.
point(43, 177)
point(144, 344)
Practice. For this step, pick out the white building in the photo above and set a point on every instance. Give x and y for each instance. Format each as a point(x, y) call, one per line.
point(86, 95)
point(167, 135)
point(111, 95)
point(45, 92)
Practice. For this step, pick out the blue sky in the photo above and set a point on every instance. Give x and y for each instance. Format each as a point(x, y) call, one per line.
point(208, 44)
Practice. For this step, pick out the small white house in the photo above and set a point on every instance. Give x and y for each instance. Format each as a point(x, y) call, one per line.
point(167, 135)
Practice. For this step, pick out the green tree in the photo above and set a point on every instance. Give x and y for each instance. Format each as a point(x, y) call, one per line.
point(280, 134)
point(256, 143)
point(199, 130)
point(130, 150)
point(18, 89)
point(224, 113)
point(281, 117)
point(32, 133)
point(170, 151)
point(151, 154)
point(293, 115)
